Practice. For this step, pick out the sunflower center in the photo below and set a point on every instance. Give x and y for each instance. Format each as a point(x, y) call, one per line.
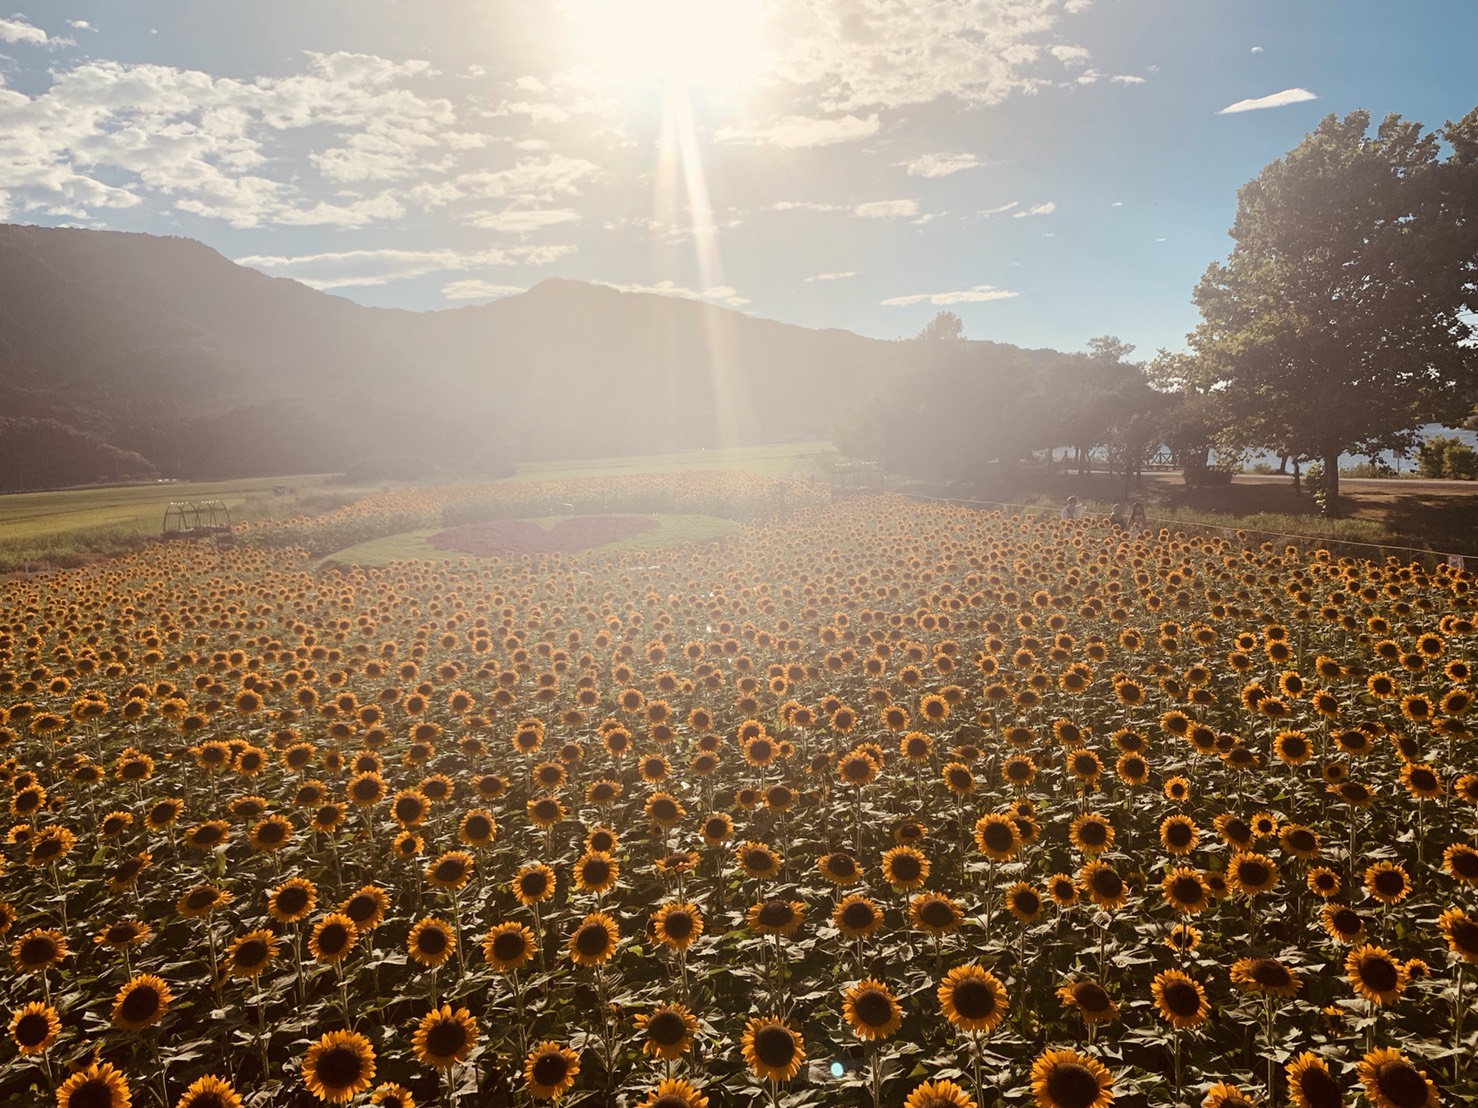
point(95, 1092)
point(141, 1003)
point(936, 912)
point(37, 950)
point(1187, 889)
point(1401, 1084)
point(450, 869)
point(664, 808)
point(508, 946)
point(906, 868)
point(1107, 883)
point(997, 836)
point(445, 1038)
point(339, 1067)
point(432, 940)
point(533, 884)
point(1027, 902)
point(1302, 840)
point(1252, 873)
point(122, 933)
point(1379, 974)
point(671, 1100)
point(857, 915)
point(666, 1027)
point(32, 1029)
point(546, 809)
point(1178, 834)
point(361, 909)
point(774, 1046)
point(1390, 882)
point(1182, 998)
point(252, 952)
point(757, 860)
point(292, 900)
point(1270, 972)
point(1465, 863)
point(677, 925)
point(1319, 1089)
point(959, 778)
point(596, 871)
point(1091, 997)
point(974, 998)
point(1072, 1085)
point(592, 939)
point(333, 938)
point(775, 913)
point(841, 865)
point(1464, 932)
point(873, 1007)
point(550, 1069)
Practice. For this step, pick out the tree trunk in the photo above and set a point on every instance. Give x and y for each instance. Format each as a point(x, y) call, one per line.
point(1331, 480)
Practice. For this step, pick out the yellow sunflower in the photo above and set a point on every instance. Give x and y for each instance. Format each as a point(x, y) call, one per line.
point(97, 1086)
point(332, 938)
point(431, 942)
point(1391, 1081)
point(1268, 976)
point(905, 868)
point(141, 1002)
point(550, 1070)
point(667, 1031)
point(935, 913)
point(444, 1037)
point(594, 941)
point(939, 1094)
point(1067, 1079)
point(1310, 1084)
point(771, 1049)
point(1180, 1000)
point(674, 1092)
point(508, 946)
point(249, 954)
point(210, 1092)
point(677, 925)
point(339, 1066)
point(1374, 974)
point(1090, 999)
point(871, 1010)
point(35, 1027)
point(972, 998)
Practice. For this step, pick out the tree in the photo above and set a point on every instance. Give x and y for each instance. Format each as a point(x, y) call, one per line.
point(1337, 324)
point(944, 327)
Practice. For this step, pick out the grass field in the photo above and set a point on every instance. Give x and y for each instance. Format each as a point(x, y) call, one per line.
point(783, 459)
point(671, 530)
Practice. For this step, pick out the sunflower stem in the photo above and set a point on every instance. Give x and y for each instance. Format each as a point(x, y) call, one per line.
point(1457, 1024)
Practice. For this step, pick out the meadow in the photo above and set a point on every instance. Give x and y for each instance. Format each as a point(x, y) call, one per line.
point(878, 802)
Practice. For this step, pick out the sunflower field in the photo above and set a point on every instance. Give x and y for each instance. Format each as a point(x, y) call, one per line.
point(877, 803)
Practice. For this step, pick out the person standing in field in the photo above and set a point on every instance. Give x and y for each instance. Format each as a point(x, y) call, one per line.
point(1072, 510)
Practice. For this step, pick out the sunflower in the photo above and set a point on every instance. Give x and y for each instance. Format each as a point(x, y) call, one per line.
point(545, 812)
point(1252, 873)
point(250, 954)
point(1184, 890)
point(1091, 834)
point(1179, 834)
point(508, 946)
point(201, 901)
point(332, 938)
point(676, 926)
point(596, 872)
point(533, 883)
point(123, 934)
point(1180, 999)
point(667, 1031)
point(97, 1086)
point(939, 1094)
point(431, 942)
point(141, 1002)
point(210, 1092)
point(1223, 1094)
point(1310, 1084)
point(444, 1037)
point(1024, 901)
point(391, 1095)
point(871, 1010)
point(1461, 932)
point(292, 900)
point(664, 810)
point(958, 779)
point(997, 837)
point(450, 871)
point(1104, 885)
point(674, 1092)
point(594, 941)
point(1374, 974)
point(339, 1066)
point(1067, 1079)
point(126, 872)
point(1299, 841)
point(757, 860)
point(972, 998)
point(1341, 923)
point(776, 917)
point(1391, 1081)
point(839, 867)
point(857, 917)
point(1090, 999)
point(905, 868)
point(1323, 882)
point(1461, 863)
point(37, 949)
point(1268, 976)
point(935, 913)
point(35, 1027)
point(771, 1049)
point(1387, 882)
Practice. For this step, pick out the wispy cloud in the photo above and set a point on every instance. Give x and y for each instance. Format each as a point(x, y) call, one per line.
point(522, 221)
point(359, 268)
point(718, 294)
point(887, 209)
point(18, 30)
point(474, 289)
point(1036, 209)
point(939, 165)
point(1003, 208)
point(799, 132)
point(1276, 100)
point(975, 295)
point(831, 276)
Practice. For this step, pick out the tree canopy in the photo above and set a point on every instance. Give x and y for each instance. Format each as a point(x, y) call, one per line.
point(1341, 320)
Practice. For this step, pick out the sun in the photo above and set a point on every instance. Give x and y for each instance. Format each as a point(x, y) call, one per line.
point(715, 44)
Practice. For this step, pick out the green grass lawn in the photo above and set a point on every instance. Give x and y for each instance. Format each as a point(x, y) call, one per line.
point(671, 530)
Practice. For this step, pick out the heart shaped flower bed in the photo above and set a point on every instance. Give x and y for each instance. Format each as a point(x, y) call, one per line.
point(522, 536)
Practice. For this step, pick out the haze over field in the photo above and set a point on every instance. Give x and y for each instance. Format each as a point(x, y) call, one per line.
point(1050, 170)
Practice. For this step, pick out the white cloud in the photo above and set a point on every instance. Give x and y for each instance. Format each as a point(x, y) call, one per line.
point(977, 294)
point(1037, 209)
point(718, 294)
point(803, 206)
point(522, 221)
point(887, 209)
point(1276, 100)
point(939, 165)
point(474, 289)
point(1126, 79)
point(17, 30)
point(1257, 49)
point(1070, 55)
point(798, 132)
point(831, 276)
point(1003, 208)
point(350, 268)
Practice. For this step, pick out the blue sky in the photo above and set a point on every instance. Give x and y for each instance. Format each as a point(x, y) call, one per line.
point(1050, 170)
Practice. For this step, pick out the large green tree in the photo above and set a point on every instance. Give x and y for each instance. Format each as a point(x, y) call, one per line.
point(1341, 320)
